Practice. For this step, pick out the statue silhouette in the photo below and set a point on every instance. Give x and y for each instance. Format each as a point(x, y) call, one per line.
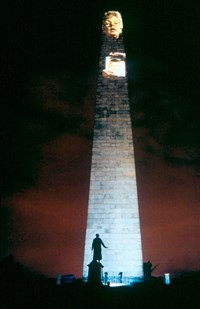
point(148, 269)
point(96, 247)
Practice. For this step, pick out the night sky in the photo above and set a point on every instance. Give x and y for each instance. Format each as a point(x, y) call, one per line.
point(50, 52)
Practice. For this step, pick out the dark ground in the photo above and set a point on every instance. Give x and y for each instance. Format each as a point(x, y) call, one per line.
point(22, 288)
point(181, 294)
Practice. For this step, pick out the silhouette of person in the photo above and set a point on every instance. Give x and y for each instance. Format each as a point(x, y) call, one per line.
point(96, 246)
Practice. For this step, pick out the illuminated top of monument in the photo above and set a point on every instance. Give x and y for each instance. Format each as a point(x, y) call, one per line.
point(112, 24)
point(115, 59)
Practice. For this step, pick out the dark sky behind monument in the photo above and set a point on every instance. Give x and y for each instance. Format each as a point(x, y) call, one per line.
point(50, 63)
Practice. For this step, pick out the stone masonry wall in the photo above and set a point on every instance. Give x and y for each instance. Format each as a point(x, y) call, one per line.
point(113, 203)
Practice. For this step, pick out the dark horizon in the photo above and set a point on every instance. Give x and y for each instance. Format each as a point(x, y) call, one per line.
point(23, 288)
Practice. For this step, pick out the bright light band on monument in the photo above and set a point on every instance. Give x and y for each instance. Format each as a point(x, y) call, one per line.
point(115, 65)
point(113, 211)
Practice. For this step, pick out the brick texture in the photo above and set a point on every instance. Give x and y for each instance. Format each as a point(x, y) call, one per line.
point(113, 203)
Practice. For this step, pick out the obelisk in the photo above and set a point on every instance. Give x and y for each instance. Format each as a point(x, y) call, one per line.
point(113, 211)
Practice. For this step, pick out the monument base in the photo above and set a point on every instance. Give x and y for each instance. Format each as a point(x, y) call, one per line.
point(121, 281)
point(95, 273)
point(96, 277)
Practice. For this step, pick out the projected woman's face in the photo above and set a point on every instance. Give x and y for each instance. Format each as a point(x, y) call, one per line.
point(112, 27)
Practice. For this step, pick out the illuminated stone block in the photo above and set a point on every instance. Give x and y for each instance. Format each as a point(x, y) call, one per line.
point(115, 65)
point(113, 210)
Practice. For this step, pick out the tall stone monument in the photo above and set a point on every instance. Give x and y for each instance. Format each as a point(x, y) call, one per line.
point(113, 202)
